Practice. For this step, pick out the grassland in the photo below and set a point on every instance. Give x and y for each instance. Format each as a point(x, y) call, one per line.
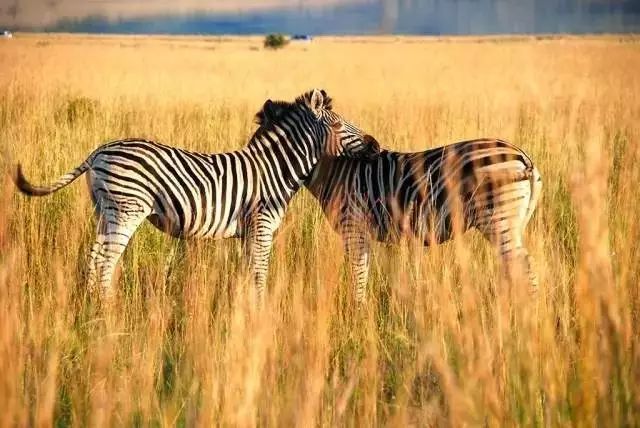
point(441, 340)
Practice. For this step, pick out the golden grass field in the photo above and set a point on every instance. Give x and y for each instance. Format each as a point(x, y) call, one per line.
point(441, 342)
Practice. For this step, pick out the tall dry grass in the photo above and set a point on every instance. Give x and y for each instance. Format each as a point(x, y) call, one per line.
point(440, 341)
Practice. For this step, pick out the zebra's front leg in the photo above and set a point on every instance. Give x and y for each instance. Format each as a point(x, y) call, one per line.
point(357, 248)
point(257, 251)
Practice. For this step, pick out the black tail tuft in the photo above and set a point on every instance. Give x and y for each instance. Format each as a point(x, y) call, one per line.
point(24, 186)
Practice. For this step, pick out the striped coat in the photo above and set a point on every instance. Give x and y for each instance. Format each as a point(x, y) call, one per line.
point(431, 196)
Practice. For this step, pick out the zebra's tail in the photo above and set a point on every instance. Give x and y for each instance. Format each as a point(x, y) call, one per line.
point(536, 189)
point(29, 189)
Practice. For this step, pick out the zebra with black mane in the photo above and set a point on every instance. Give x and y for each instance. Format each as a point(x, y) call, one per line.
point(431, 196)
point(242, 194)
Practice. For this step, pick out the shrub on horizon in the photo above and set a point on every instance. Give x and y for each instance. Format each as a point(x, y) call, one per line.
point(275, 41)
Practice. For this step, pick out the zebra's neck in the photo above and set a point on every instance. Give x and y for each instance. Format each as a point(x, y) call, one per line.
point(289, 156)
point(319, 178)
point(329, 178)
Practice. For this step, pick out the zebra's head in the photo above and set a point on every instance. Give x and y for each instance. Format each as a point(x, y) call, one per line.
point(338, 137)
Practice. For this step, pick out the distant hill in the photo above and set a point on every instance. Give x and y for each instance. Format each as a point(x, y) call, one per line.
point(429, 17)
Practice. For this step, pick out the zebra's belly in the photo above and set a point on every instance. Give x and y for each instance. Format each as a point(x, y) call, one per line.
point(424, 225)
point(229, 230)
point(424, 235)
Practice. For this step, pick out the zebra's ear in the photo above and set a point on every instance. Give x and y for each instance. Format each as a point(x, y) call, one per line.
point(269, 110)
point(316, 101)
point(267, 114)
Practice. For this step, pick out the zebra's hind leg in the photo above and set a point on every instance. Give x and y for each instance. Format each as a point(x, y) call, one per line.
point(501, 215)
point(516, 262)
point(517, 265)
point(116, 225)
point(96, 248)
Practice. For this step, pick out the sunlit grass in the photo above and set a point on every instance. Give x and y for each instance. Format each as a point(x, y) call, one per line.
point(440, 341)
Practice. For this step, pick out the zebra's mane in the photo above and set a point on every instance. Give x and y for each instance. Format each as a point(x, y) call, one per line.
point(277, 109)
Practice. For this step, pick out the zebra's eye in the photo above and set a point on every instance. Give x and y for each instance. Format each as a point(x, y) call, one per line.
point(335, 125)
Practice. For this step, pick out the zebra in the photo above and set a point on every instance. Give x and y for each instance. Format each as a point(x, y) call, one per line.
point(431, 196)
point(241, 194)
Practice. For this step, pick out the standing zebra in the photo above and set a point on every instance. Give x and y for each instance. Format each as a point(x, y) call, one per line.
point(431, 196)
point(191, 195)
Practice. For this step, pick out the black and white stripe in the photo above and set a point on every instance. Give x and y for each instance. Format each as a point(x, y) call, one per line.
point(193, 195)
point(487, 184)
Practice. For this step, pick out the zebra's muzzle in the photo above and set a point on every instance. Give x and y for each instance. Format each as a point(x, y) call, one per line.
point(373, 147)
